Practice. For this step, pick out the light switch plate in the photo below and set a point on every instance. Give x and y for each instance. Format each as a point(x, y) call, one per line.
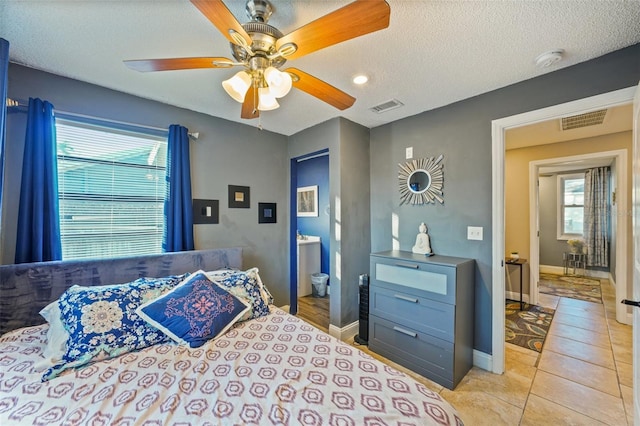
point(409, 153)
point(474, 232)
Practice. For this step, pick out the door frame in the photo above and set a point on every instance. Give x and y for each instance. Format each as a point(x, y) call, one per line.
point(498, 129)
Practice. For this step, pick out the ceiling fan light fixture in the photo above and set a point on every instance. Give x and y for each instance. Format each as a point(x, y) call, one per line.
point(237, 86)
point(279, 82)
point(266, 100)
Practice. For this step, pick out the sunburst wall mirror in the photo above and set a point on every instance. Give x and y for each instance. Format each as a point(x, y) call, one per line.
point(420, 181)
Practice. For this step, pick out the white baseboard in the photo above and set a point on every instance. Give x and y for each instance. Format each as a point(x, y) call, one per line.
point(559, 270)
point(548, 269)
point(482, 360)
point(345, 332)
point(515, 295)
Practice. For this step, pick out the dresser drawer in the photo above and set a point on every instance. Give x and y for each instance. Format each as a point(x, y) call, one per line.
point(419, 351)
point(413, 311)
point(436, 282)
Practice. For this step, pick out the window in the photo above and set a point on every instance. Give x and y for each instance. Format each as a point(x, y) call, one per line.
point(112, 188)
point(570, 206)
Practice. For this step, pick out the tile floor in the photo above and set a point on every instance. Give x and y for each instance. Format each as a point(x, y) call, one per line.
point(583, 376)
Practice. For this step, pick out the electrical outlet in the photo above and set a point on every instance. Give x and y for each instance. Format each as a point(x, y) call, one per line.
point(474, 232)
point(409, 153)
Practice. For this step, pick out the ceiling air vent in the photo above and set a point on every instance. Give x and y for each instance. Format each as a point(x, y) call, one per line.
point(386, 106)
point(583, 120)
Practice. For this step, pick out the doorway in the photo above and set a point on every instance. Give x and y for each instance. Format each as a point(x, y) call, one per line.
point(311, 235)
point(617, 160)
point(499, 128)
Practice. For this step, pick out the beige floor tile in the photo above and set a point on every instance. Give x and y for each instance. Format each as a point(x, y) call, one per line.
point(590, 402)
point(579, 334)
point(540, 411)
point(627, 398)
point(622, 353)
point(548, 300)
point(597, 325)
point(591, 375)
point(511, 387)
point(575, 303)
point(593, 354)
point(594, 314)
point(478, 408)
point(514, 353)
point(620, 333)
point(625, 373)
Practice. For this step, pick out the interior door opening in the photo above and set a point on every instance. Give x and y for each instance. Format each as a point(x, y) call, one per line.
point(499, 129)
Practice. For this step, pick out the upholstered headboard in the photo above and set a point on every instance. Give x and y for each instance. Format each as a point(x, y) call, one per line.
point(26, 288)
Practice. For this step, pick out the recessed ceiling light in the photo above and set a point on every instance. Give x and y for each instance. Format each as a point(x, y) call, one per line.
point(360, 79)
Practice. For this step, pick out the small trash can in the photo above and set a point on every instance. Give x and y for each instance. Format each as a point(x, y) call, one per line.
point(319, 284)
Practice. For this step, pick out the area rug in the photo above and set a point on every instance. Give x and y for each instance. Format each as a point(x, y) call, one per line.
point(569, 286)
point(527, 328)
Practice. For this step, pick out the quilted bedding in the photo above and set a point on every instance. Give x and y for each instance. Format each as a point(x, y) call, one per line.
point(272, 370)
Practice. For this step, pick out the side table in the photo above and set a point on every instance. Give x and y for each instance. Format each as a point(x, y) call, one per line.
point(574, 261)
point(519, 263)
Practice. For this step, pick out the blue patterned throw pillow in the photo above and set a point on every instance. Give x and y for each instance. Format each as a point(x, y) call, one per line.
point(102, 321)
point(247, 286)
point(195, 311)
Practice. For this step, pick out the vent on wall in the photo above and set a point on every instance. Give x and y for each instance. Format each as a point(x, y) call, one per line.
point(592, 118)
point(386, 106)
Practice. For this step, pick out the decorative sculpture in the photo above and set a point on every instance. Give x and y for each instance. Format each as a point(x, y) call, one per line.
point(423, 243)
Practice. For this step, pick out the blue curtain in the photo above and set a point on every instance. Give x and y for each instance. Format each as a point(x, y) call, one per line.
point(178, 211)
point(4, 83)
point(38, 216)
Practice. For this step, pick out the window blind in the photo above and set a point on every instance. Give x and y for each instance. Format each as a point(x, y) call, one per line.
point(112, 186)
point(572, 204)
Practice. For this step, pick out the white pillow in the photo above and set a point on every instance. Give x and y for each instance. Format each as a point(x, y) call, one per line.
point(57, 337)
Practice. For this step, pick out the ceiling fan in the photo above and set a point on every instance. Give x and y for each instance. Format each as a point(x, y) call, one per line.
point(262, 50)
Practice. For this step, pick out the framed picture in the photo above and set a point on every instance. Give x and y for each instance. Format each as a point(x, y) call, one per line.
point(307, 201)
point(238, 197)
point(205, 211)
point(266, 212)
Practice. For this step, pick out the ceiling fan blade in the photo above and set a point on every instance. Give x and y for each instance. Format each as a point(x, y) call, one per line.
point(320, 89)
point(222, 18)
point(250, 104)
point(147, 65)
point(353, 20)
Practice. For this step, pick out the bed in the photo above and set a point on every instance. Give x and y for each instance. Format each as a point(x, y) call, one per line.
point(271, 368)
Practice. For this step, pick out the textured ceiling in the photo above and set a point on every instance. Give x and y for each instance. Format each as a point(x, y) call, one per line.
point(432, 54)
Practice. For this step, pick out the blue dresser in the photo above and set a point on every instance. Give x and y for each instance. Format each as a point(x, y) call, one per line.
point(421, 313)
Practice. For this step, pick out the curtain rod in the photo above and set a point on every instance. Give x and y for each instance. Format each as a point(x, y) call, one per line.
point(19, 103)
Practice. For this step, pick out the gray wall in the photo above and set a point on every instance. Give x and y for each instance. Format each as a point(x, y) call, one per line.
point(226, 153)
point(462, 133)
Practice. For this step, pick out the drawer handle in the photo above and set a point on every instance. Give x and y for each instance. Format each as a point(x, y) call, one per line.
point(408, 265)
point(403, 331)
point(408, 299)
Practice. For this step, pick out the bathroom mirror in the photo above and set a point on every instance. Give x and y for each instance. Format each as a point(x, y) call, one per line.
point(420, 181)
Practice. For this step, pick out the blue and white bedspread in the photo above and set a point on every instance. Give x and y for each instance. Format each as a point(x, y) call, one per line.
point(272, 370)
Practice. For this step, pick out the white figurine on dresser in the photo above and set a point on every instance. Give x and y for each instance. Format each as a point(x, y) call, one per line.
point(423, 243)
